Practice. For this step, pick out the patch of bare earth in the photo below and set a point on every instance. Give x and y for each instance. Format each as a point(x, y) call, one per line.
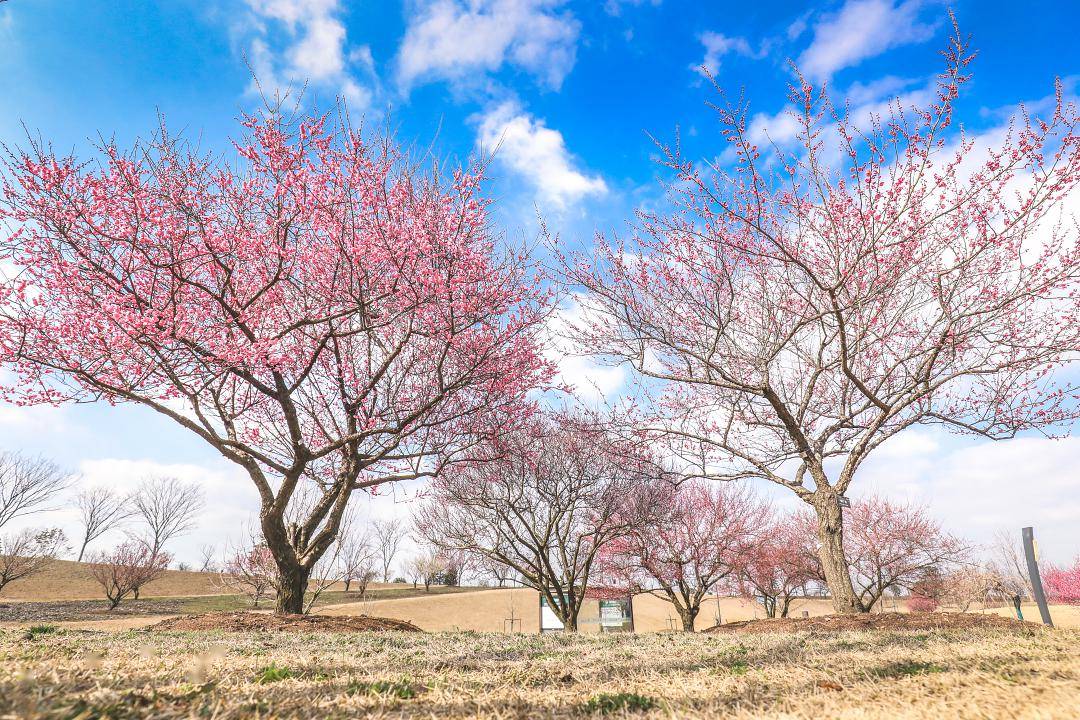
point(252, 621)
point(881, 621)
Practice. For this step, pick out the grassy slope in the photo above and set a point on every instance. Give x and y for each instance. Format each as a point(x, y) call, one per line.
point(974, 674)
point(69, 580)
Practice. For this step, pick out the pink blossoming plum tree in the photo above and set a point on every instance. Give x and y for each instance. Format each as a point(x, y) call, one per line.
point(320, 310)
point(706, 534)
point(794, 313)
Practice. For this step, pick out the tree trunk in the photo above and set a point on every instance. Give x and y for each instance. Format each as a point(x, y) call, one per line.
point(785, 607)
point(292, 587)
point(834, 564)
point(688, 616)
point(770, 606)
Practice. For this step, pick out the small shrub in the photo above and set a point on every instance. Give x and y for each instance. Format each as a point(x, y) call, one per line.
point(35, 630)
point(605, 703)
point(918, 603)
point(273, 673)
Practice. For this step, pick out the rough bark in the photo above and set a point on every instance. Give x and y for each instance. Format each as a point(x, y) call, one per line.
point(292, 587)
point(688, 616)
point(830, 532)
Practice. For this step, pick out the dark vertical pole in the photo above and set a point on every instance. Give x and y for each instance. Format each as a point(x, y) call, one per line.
point(630, 609)
point(1033, 573)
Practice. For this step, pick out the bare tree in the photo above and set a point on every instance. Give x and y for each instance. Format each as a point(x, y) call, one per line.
point(28, 485)
point(127, 568)
point(553, 494)
point(28, 552)
point(168, 508)
point(206, 558)
point(357, 558)
point(388, 537)
point(490, 569)
point(1007, 560)
point(426, 567)
point(972, 585)
point(100, 509)
point(324, 574)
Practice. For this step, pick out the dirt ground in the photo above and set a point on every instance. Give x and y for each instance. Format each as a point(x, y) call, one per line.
point(1019, 672)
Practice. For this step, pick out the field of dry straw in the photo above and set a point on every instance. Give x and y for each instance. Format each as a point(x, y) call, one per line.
point(1021, 672)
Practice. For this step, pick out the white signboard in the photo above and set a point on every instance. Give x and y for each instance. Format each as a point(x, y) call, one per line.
point(549, 621)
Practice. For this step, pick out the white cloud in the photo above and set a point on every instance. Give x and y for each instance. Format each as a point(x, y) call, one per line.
point(861, 29)
point(537, 154)
point(615, 7)
point(717, 45)
point(310, 46)
point(456, 39)
point(978, 487)
point(588, 380)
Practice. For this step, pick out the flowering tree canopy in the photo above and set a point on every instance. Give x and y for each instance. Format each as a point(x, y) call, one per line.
point(705, 534)
point(545, 500)
point(1063, 583)
point(778, 567)
point(319, 310)
point(797, 312)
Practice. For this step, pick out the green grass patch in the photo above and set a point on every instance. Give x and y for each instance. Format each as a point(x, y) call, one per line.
point(605, 703)
point(738, 667)
point(907, 669)
point(273, 673)
point(402, 689)
point(35, 631)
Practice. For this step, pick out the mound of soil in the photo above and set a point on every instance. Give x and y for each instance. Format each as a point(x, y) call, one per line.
point(255, 621)
point(883, 621)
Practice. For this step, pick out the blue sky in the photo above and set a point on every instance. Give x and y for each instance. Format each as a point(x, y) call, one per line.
point(572, 90)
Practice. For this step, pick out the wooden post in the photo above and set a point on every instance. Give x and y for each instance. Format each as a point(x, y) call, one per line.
point(1033, 573)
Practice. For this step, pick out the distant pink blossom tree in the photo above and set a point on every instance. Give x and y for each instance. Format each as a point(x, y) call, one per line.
point(778, 567)
point(546, 500)
point(318, 309)
point(889, 545)
point(793, 314)
point(127, 568)
point(1063, 583)
point(706, 535)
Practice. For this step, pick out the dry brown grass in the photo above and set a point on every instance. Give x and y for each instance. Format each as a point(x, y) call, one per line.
point(1021, 672)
